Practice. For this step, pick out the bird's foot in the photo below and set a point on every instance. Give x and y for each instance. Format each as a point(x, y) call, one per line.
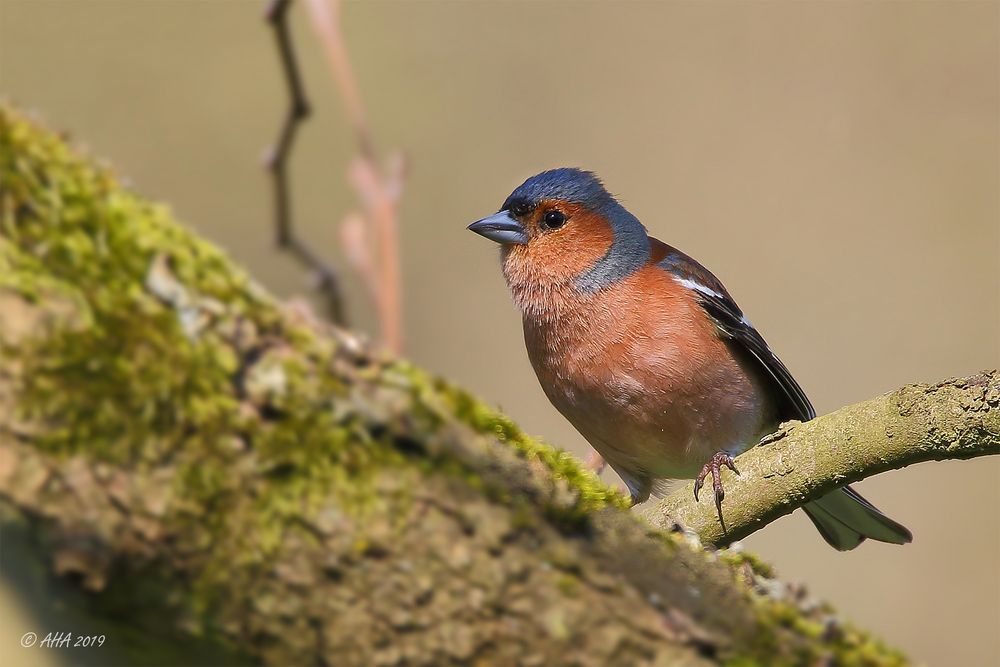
point(714, 466)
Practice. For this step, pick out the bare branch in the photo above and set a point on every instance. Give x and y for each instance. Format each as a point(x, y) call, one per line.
point(277, 163)
point(955, 419)
point(379, 189)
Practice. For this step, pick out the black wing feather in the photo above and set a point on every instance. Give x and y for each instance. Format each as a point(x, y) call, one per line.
point(735, 327)
point(843, 517)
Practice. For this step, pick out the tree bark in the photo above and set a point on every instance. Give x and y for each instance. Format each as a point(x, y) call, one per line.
point(206, 464)
point(954, 419)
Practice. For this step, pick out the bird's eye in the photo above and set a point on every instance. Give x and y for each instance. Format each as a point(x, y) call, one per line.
point(553, 219)
point(520, 208)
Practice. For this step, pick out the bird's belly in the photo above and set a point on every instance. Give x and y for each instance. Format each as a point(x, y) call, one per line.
point(671, 441)
point(647, 431)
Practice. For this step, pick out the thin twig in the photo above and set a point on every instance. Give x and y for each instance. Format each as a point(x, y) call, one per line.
point(378, 189)
point(380, 194)
point(326, 22)
point(277, 163)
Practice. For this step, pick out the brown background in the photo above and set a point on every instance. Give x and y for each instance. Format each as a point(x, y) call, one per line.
point(836, 164)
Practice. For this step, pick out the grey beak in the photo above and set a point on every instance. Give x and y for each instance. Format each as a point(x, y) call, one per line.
point(500, 227)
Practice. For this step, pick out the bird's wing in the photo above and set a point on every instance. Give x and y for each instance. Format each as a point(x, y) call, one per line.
point(843, 517)
point(734, 327)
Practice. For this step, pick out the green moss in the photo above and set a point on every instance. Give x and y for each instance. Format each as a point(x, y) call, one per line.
point(837, 643)
point(568, 585)
point(137, 373)
point(741, 558)
point(593, 493)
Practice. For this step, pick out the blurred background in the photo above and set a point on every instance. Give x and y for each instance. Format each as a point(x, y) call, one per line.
point(837, 165)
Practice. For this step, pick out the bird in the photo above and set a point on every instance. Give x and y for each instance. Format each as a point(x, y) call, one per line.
point(644, 350)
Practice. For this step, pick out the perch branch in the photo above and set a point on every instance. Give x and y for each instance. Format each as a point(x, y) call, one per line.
point(956, 419)
point(277, 163)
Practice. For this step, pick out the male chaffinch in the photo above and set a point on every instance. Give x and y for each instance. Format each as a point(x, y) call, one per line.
point(644, 351)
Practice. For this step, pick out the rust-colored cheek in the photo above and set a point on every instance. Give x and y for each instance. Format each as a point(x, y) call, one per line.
point(559, 256)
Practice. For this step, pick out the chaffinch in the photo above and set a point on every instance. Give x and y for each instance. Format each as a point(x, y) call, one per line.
point(644, 351)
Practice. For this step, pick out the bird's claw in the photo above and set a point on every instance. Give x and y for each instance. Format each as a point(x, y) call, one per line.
point(714, 467)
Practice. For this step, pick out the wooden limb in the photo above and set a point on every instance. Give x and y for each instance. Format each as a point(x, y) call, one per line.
point(954, 419)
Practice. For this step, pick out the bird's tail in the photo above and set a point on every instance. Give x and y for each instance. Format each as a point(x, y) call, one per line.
point(845, 519)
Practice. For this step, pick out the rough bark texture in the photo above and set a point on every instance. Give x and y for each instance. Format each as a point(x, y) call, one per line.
point(955, 419)
point(206, 464)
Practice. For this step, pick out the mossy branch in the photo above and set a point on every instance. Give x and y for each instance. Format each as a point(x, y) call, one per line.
point(955, 419)
point(205, 463)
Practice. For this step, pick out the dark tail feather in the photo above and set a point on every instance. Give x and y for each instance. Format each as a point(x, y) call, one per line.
point(845, 519)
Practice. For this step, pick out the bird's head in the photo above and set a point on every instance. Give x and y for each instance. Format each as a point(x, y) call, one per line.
point(562, 229)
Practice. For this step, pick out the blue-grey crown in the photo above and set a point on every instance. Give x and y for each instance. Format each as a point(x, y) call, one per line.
point(566, 183)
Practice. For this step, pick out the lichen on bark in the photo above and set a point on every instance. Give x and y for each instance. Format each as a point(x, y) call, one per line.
point(208, 463)
point(955, 419)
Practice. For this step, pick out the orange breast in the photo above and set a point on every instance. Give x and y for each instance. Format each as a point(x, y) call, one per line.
point(639, 370)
